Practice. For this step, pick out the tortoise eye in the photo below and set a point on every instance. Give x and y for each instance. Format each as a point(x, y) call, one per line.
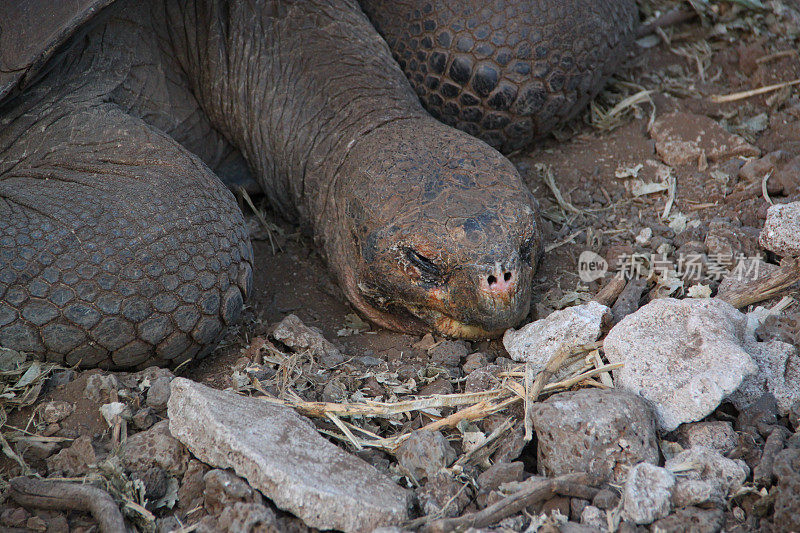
point(525, 250)
point(425, 266)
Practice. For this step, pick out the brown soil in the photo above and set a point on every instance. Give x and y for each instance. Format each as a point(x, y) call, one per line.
point(295, 280)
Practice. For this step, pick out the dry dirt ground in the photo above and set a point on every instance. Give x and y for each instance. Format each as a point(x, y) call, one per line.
point(702, 205)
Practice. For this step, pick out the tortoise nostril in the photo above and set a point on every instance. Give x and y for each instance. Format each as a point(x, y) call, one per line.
point(507, 276)
point(492, 280)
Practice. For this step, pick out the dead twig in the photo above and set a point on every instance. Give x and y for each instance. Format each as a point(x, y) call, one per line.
point(610, 291)
point(761, 289)
point(33, 492)
point(533, 491)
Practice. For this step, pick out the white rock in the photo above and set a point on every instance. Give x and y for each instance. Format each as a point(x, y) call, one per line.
point(684, 356)
point(781, 233)
point(594, 517)
point(706, 475)
point(778, 372)
point(647, 493)
point(567, 329)
point(281, 454)
point(718, 435)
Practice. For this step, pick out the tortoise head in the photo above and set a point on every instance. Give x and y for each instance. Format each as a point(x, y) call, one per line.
point(437, 232)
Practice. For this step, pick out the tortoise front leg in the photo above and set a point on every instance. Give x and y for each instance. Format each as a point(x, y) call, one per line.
point(118, 248)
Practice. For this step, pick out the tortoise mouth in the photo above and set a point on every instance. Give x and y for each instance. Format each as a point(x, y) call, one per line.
point(451, 327)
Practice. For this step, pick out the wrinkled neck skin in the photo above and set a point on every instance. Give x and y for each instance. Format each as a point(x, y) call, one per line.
point(309, 93)
point(293, 85)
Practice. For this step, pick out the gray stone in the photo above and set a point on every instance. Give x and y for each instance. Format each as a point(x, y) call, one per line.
point(154, 447)
point(718, 435)
point(101, 388)
point(683, 356)
point(567, 329)
point(593, 430)
point(706, 476)
point(647, 493)
point(778, 373)
point(691, 519)
point(293, 333)
point(781, 233)
point(281, 454)
point(500, 473)
point(424, 453)
point(246, 518)
point(594, 517)
point(158, 393)
point(54, 411)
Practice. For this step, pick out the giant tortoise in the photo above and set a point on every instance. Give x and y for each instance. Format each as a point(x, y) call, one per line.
point(120, 246)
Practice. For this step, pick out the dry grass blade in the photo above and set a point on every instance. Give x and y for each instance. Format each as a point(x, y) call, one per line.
point(529, 399)
point(613, 118)
point(550, 181)
point(269, 228)
point(733, 97)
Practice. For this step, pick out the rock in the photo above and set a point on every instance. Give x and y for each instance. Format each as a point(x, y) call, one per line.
point(154, 447)
point(55, 411)
point(500, 473)
point(787, 178)
point(168, 524)
point(576, 507)
point(223, 488)
point(567, 329)
point(759, 417)
point(787, 492)
point(247, 518)
point(60, 378)
point(158, 393)
point(15, 517)
point(717, 435)
point(594, 517)
point(424, 453)
point(282, 455)
point(75, 460)
point(778, 373)
point(35, 523)
point(755, 169)
point(437, 386)
point(780, 233)
point(628, 300)
point(193, 485)
point(143, 418)
point(696, 492)
point(647, 493)
point(32, 449)
point(442, 495)
point(448, 353)
point(293, 333)
point(683, 138)
point(794, 415)
point(720, 477)
point(101, 388)
point(683, 356)
point(605, 499)
point(482, 379)
point(475, 361)
point(155, 482)
point(594, 430)
point(690, 520)
point(763, 472)
point(726, 241)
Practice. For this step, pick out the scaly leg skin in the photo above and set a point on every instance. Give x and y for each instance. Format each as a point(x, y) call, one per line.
point(118, 247)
